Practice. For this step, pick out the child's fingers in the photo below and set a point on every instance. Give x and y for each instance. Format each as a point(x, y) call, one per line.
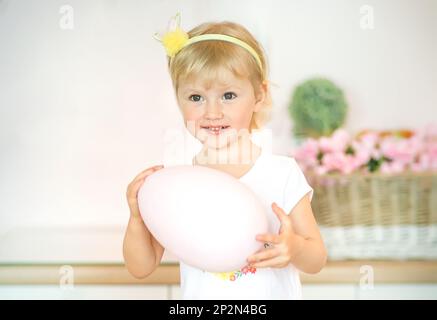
point(280, 213)
point(276, 262)
point(271, 238)
point(141, 175)
point(147, 172)
point(144, 174)
point(135, 185)
point(263, 255)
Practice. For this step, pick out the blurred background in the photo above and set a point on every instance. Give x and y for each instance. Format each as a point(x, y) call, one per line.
point(86, 103)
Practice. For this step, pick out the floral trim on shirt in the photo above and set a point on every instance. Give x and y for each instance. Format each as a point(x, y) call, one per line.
point(234, 275)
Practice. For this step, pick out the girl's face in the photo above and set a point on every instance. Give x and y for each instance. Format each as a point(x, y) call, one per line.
point(218, 115)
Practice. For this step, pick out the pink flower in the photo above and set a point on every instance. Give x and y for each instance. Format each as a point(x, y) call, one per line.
point(431, 153)
point(431, 150)
point(306, 154)
point(369, 140)
point(401, 150)
point(389, 153)
point(376, 153)
point(363, 152)
point(337, 142)
point(423, 164)
point(339, 161)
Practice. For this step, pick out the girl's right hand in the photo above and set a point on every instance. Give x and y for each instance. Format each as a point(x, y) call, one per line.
point(134, 186)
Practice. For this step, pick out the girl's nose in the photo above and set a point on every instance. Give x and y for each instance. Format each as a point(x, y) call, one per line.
point(213, 111)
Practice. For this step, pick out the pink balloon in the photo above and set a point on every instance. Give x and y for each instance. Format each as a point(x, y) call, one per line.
point(205, 217)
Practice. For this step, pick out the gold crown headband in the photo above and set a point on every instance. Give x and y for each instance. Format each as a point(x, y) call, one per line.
point(175, 39)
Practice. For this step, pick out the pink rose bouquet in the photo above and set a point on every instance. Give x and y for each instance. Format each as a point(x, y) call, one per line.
point(370, 151)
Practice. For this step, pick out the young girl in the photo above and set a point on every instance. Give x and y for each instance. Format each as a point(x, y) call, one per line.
point(219, 74)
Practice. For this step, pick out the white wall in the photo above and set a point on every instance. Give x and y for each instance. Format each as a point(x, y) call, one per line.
point(82, 111)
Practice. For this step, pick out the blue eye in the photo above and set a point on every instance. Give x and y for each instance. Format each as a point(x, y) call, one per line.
point(229, 95)
point(196, 97)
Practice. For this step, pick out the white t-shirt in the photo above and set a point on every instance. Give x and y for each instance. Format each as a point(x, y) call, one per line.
point(273, 178)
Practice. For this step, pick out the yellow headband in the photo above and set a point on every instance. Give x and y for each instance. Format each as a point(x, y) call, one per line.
point(177, 39)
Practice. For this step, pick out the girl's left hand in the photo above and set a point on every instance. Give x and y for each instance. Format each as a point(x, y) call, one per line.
point(286, 245)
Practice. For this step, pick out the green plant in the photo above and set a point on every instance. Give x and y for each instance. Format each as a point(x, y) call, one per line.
point(317, 108)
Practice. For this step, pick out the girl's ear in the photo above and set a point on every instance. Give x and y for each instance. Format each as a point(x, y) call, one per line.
point(261, 96)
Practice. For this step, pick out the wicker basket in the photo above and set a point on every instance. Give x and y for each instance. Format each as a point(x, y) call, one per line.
point(377, 216)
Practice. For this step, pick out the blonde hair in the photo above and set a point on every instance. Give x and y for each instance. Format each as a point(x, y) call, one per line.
point(208, 59)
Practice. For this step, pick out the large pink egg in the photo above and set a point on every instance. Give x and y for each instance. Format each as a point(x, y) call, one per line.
point(205, 217)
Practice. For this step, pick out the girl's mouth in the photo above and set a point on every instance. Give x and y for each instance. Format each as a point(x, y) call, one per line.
point(215, 130)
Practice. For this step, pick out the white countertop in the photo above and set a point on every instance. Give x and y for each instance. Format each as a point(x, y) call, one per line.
point(33, 256)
